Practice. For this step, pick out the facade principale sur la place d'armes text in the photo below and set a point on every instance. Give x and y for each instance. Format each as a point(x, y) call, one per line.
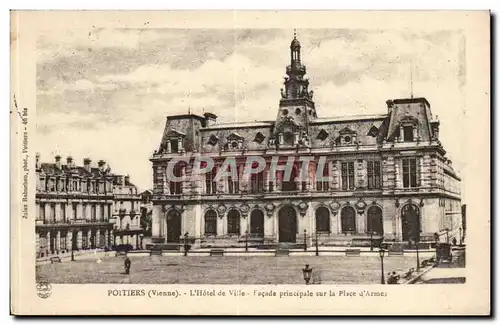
point(385, 176)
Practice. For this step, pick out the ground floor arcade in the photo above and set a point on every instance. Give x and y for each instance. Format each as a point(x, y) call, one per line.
point(297, 220)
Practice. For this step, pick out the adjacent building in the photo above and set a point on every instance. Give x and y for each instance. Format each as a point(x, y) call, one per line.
point(126, 216)
point(73, 206)
point(387, 175)
point(83, 207)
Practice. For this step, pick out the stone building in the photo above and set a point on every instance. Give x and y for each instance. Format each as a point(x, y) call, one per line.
point(73, 206)
point(146, 211)
point(385, 176)
point(126, 216)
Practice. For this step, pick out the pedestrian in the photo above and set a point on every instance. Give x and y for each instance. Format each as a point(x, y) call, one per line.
point(454, 241)
point(127, 265)
point(389, 278)
point(395, 278)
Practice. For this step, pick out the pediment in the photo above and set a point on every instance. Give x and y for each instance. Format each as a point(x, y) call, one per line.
point(347, 130)
point(234, 136)
point(173, 133)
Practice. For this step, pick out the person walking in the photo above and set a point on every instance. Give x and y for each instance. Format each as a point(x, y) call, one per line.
point(127, 265)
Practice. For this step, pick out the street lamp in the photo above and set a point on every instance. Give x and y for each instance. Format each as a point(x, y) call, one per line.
point(381, 253)
point(246, 241)
point(305, 240)
point(306, 272)
point(418, 258)
point(447, 237)
point(317, 249)
point(186, 243)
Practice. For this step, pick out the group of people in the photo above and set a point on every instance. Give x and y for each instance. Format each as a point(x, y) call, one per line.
point(392, 278)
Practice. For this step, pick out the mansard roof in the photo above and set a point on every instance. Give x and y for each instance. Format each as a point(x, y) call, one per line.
point(51, 169)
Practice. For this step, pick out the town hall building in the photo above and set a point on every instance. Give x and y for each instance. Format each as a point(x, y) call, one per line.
point(386, 176)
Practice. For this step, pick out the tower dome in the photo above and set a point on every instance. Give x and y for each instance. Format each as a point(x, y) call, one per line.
point(295, 43)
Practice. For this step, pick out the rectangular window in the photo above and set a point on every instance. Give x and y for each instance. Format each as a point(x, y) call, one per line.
point(84, 241)
point(408, 133)
point(53, 212)
point(210, 184)
point(174, 146)
point(347, 173)
point(42, 212)
point(75, 211)
point(176, 187)
point(257, 183)
point(62, 244)
point(374, 180)
point(324, 185)
point(102, 212)
point(93, 212)
point(409, 172)
point(63, 212)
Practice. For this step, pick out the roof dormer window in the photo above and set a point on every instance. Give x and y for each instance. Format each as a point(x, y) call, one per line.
point(213, 140)
point(322, 135)
point(259, 137)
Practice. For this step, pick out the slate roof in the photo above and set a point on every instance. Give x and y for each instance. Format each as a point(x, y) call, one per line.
point(51, 169)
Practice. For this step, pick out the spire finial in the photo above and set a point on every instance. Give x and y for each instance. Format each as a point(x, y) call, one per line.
point(294, 33)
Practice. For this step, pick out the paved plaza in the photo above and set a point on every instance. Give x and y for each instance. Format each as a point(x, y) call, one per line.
point(224, 270)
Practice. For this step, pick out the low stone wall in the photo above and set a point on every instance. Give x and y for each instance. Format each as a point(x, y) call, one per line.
point(78, 255)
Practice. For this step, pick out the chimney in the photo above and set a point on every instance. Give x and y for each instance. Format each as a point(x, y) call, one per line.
point(121, 180)
point(69, 162)
point(101, 163)
point(58, 162)
point(210, 119)
point(86, 164)
point(127, 179)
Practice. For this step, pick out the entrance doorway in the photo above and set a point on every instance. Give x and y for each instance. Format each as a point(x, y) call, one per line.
point(287, 225)
point(173, 226)
point(257, 223)
point(410, 222)
point(375, 223)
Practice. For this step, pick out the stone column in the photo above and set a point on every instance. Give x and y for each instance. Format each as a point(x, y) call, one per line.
point(334, 224)
point(401, 134)
point(37, 241)
point(244, 224)
point(69, 240)
point(335, 175)
point(106, 238)
point(48, 243)
point(361, 222)
point(415, 134)
point(98, 238)
point(221, 225)
point(169, 146)
point(58, 241)
point(397, 171)
point(79, 239)
point(89, 238)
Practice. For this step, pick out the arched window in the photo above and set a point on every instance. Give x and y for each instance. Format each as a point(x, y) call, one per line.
point(348, 219)
point(322, 220)
point(374, 221)
point(233, 222)
point(210, 222)
point(410, 222)
point(257, 222)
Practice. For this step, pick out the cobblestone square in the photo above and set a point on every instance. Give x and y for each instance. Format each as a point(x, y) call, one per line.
point(224, 270)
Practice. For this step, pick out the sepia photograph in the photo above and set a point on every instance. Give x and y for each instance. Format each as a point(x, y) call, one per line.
point(250, 155)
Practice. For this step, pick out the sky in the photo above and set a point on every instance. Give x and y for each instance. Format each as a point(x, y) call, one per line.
point(106, 93)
